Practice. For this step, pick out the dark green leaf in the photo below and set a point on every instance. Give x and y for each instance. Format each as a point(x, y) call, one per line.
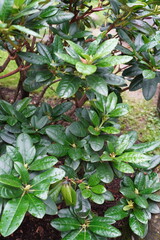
point(98, 84)
point(6, 9)
point(65, 224)
point(116, 212)
point(137, 227)
point(96, 143)
point(36, 206)
point(77, 129)
point(123, 167)
point(105, 172)
point(43, 163)
point(56, 133)
point(85, 69)
point(48, 12)
point(149, 87)
point(60, 17)
point(22, 171)
point(44, 51)
point(10, 180)
point(33, 58)
point(13, 215)
point(68, 86)
point(141, 201)
point(106, 47)
point(103, 229)
point(25, 30)
point(141, 215)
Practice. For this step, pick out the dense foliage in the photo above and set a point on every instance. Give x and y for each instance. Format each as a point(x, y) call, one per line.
point(67, 155)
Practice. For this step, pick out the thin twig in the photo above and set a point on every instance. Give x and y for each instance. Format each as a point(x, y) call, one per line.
point(20, 68)
point(5, 64)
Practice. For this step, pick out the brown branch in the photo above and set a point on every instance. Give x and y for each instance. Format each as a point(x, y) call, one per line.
point(44, 91)
point(87, 13)
point(5, 64)
point(14, 71)
point(125, 89)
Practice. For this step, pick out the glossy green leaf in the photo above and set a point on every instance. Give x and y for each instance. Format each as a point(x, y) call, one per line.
point(78, 235)
point(22, 104)
point(68, 86)
point(65, 224)
point(66, 58)
point(137, 227)
point(93, 131)
point(8, 192)
point(94, 117)
point(6, 107)
point(114, 79)
point(77, 129)
point(140, 181)
point(106, 47)
point(103, 229)
point(13, 215)
point(99, 189)
point(75, 153)
point(123, 167)
point(57, 150)
point(22, 171)
point(153, 208)
point(133, 157)
point(33, 58)
point(116, 212)
point(146, 147)
point(48, 12)
point(56, 133)
point(86, 193)
point(60, 17)
point(14, 154)
point(25, 30)
point(149, 87)
point(36, 206)
point(105, 172)
point(6, 9)
point(120, 110)
point(141, 201)
point(128, 192)
point(96, 143)
point(77, 48)
point(148, 74)
point(98, 84)
point(122, 144)
point(25, 147)
point(10, 180)
point(51, 207)
point(44, 51)
point(85, 69)
point(43, 163)
point(110, 130)
point(99, 199)
point(111, 102)
point(52, 175)
point(114, 60)
point(154, 197)
point(141, 215)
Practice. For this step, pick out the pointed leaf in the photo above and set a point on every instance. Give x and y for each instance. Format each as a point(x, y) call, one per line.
point(10, 180)
point(68, 86)
point(13, 215)
point(61, 224)
point(116, 212)
point(105, 172)
point(36, 206)
point(114, 60)
point(137, 227)
point(85, 69)
point(43, 163)
point(103, 229)
point(33, 58)
point(98, 84)
point(22, 171)
point(133, 157)
point(106, 47)
point(60, 17)
point(25, 30)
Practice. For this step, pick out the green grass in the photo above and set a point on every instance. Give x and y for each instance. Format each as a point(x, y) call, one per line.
point(11, 81)
point(142, 118)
